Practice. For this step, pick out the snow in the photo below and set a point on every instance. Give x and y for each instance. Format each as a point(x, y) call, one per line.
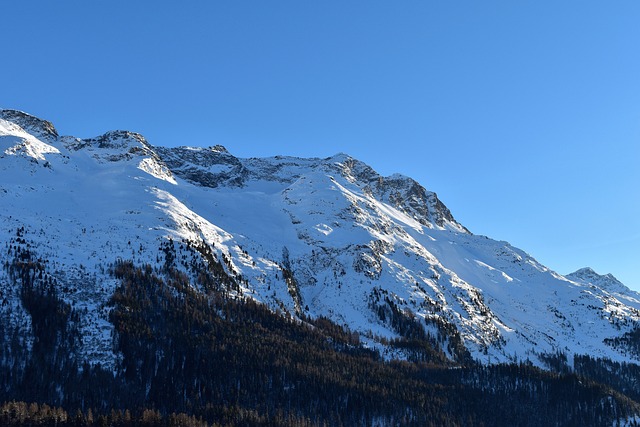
point(15, 141)
point(156, 170)
point(347, 232)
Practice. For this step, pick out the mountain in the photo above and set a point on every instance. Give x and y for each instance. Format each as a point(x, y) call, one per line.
point(607, 281)
point(311, 240)
point(324, 237)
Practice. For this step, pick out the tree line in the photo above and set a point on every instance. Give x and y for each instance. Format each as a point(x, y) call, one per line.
point(192, 354)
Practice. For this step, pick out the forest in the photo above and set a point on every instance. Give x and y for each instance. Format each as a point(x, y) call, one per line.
point(194, 354)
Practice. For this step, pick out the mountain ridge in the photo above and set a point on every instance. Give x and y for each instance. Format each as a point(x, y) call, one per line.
point(320, 237)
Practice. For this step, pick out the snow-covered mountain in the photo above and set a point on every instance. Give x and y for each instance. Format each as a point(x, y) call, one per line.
point(321, 237)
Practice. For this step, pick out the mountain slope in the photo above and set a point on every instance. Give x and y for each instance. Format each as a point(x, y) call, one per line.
point(314, 237)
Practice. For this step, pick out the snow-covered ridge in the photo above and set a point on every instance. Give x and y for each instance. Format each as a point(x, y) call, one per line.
point(215, 166)
point(323, 236)
point(41, 129)
point(19, 135)
point(607, 281)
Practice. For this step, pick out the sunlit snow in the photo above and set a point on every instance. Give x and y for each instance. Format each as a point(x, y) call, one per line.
point(347, 232)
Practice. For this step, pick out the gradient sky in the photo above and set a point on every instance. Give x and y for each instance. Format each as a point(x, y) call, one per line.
point(523, 116)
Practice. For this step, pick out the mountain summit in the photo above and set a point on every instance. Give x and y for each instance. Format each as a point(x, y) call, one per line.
point(308, 238)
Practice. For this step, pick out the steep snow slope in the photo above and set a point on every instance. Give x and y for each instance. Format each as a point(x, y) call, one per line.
point(321, 236)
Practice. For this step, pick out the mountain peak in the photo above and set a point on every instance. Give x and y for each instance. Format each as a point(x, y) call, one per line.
point(219, 149)
point(605, 281)
point(585, 272)
point(588, 272)
point(119, 139)
point(339, 157)
point(37, 127)
point(113, 145)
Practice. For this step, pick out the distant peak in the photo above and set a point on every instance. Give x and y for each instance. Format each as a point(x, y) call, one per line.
point(122, 134)
point(590, 272)
point(339, 158)
point(219, 149)
point(114, 145)
point(31, 124)
point(116, 139)
point(214, 149)
point(587, 274)
point(586, 271)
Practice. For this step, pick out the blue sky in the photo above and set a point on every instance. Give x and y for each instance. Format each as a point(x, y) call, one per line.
point(523, 116)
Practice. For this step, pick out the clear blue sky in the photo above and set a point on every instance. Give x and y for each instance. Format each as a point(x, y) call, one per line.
point(524, 116)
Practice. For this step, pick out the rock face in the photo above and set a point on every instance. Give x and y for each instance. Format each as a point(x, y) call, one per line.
point(39, 128)
point(320, 237)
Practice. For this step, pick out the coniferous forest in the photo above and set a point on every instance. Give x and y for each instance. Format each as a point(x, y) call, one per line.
point(193, 354)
